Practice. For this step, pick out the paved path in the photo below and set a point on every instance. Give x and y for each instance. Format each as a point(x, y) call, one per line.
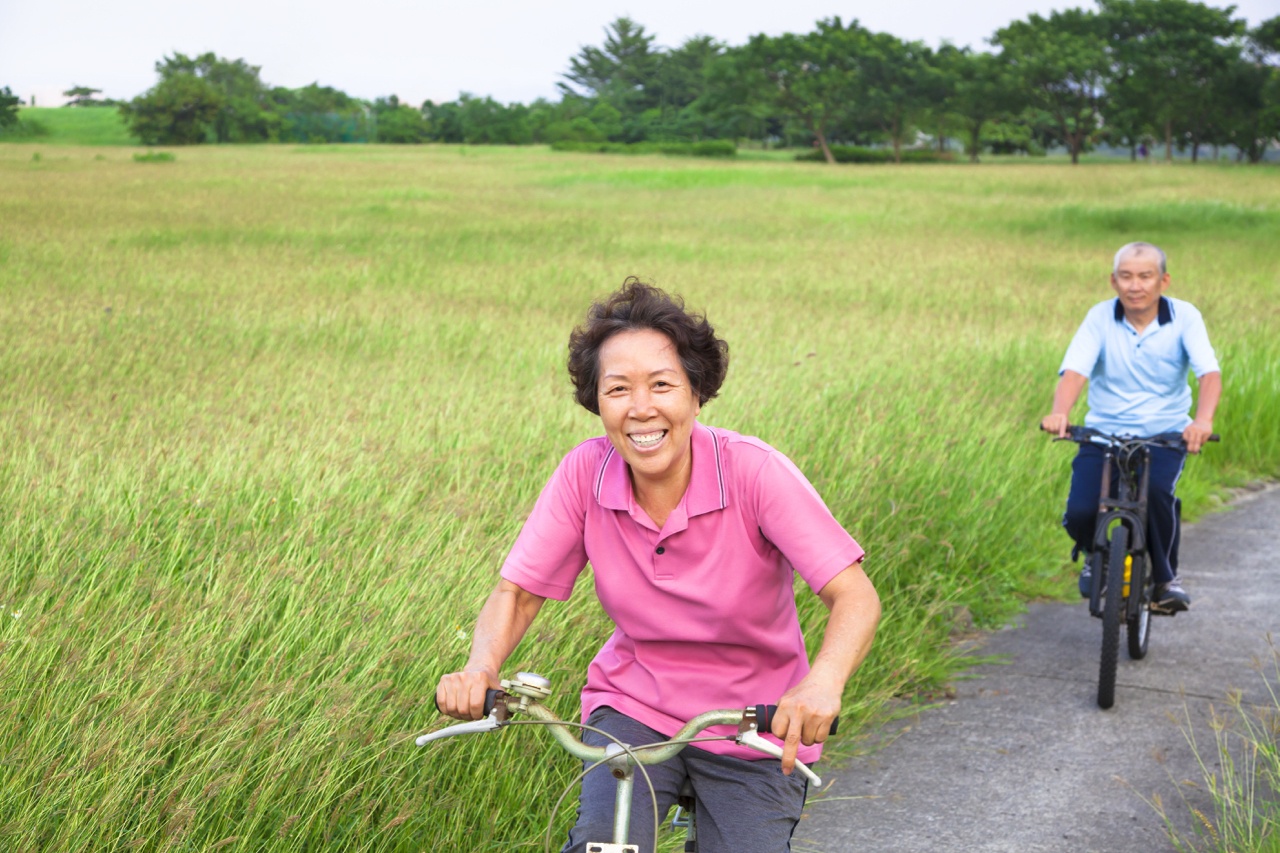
point(1024, 760)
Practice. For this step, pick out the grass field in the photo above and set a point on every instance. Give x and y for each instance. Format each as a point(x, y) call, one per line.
point(70, 126)
point(271, 417)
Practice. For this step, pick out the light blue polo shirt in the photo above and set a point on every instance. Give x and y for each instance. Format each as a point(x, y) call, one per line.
point(1138, 382)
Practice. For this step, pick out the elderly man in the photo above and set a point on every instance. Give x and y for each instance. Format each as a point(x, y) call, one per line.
point(1134, 352)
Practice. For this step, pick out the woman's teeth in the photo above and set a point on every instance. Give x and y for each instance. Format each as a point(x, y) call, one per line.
point(648, 439)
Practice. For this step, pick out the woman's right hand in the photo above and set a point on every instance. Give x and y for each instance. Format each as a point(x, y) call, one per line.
point(501, 623)
point(461, 694)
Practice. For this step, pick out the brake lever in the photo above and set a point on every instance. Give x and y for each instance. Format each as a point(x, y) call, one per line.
point(751, 738)
point(488, 724)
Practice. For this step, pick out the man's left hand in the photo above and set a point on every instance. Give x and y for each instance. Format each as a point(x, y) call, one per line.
point(1196, 434)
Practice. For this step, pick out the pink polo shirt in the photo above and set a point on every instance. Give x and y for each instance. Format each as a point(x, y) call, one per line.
point(704, 607)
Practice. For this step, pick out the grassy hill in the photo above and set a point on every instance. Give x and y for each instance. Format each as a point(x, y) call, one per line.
point(70, 126)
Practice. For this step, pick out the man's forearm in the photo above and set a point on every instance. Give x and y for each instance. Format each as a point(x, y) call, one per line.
point(1067, 392)
point(1210, 394)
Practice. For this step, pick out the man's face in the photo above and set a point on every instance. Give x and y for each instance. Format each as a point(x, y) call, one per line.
point(1138, 282)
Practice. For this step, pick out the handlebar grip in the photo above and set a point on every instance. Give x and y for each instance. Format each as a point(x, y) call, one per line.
point(490, 700)
point(764, 719)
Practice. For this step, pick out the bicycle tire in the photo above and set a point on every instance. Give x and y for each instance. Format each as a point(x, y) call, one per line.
point(1138, 627)
point(1116, 551)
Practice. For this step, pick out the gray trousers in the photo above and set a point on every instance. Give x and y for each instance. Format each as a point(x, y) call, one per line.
point(742, 806)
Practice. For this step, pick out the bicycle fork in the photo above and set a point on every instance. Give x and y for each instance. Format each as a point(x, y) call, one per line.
point(1127, 509)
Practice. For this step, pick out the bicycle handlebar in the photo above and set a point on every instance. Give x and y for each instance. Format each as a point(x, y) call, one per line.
point(765, 714)
point(751, 722)
point(1081, 434)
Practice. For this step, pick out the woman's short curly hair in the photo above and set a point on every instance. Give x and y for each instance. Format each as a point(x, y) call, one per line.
point(636, 306)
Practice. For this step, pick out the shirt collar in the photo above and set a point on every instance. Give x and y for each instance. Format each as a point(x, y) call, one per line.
point(1164, 312)
point(706, 492)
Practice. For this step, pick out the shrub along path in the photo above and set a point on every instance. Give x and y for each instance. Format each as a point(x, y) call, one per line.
point(1022, 759)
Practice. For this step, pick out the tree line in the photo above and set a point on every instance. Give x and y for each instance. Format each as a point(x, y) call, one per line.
point(1175, 74)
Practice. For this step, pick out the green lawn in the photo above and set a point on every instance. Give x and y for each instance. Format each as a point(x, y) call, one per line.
point(70, 126)
point(272, 416)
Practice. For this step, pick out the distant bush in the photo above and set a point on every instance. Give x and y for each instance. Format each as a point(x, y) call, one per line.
point(154, 157)
point(715, 148)
point(705, 148)
point(859, 154)
point(23, 129)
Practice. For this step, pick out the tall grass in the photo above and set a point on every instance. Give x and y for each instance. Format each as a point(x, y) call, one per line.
point(1240, 773)
point(271, 418)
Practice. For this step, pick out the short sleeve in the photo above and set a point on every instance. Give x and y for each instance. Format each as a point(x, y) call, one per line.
point(549, 553)
point(795, 519)
point(1195, 340)
point(1086, 346)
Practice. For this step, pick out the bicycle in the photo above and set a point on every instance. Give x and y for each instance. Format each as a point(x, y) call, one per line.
point(1120, 549)
point(525, 694)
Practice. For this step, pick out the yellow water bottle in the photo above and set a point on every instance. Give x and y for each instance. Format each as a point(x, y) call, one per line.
point(1128, 571)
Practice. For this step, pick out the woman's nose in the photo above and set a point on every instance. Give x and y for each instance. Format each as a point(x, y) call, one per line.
point(641, 403)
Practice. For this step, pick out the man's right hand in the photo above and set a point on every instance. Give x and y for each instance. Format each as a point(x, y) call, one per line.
point(461, 694)
point(1056, 424)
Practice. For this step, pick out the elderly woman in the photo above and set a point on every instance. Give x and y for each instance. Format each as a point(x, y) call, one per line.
point(693, 534)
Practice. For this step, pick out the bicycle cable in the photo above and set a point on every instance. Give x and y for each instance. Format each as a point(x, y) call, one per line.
point(630, 750)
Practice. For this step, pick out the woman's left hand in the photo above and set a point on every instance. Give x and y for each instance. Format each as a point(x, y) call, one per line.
point(804, 716)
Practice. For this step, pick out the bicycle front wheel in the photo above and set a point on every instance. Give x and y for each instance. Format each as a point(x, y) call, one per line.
point(1139, 625)
point(1111, 616)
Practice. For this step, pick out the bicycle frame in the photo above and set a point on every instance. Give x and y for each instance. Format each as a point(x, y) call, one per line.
point(1129, 507)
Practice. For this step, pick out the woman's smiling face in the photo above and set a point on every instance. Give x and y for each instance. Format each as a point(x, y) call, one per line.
point(647, 405)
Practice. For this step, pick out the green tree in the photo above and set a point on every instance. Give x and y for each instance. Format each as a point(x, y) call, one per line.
point(444, 120)
point(978, 93)
point(398, 123)
point(1252, 93)
point(83, 96)
point(623, 72)
point(179, 110)
point(730, 106)
point(316, 113)
point(486, 122)
point(1172, 58)
point(203, 96)
point(8, 108)
point(811, 78)
point(1062, 64)
point(896, 82)
point(682, 86)
point(566, 121)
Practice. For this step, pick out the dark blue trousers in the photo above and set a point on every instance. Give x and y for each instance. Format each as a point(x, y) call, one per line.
point(1163, 526)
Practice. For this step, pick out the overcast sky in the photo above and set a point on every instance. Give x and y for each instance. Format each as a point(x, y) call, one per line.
point(513, 51)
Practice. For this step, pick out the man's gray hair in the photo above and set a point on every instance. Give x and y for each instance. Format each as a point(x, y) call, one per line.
point(1139, 249)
